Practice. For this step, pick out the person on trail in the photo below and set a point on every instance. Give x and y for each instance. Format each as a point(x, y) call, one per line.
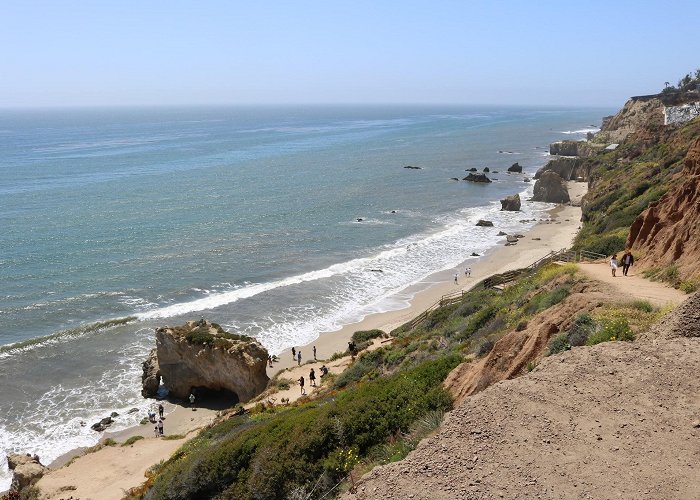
point(160, 427)
point(627, 261)
point(269, 360)
point(613, 264)
point(314, 353)
point(161, 410)
point(469, 272)
point(312, 377)
point(301, 384)
point(294, 353)
point(299, 358)
point(455, 278)
point(324, 371)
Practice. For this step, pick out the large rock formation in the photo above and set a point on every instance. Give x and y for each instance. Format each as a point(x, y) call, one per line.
point(150, 380)
point(550, 188)
point(567, 168)
point(511, 203)
point(201, 355)
point(26, 469)
point(668, 231)
point(582, 149)
point(636, 113)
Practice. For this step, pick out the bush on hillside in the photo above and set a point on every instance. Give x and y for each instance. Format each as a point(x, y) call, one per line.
point(300, 447)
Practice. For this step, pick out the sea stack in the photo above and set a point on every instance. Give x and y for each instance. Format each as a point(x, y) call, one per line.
point(201, 356)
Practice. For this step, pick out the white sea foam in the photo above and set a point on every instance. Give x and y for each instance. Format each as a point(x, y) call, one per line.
point(580, 131)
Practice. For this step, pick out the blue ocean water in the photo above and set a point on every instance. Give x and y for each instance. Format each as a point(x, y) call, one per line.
point(116, 221)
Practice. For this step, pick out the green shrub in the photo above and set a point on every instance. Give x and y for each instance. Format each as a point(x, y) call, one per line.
point(367, 364)
point(580, 330)
point(366, 335)
point(558, 344)
point(605, 245)
point(132, 440)
point(109, 442)
point(284, 384)
point(485, 347)
point(531, 365)
point(615, 327)
point(689, 286)
point(642, 305)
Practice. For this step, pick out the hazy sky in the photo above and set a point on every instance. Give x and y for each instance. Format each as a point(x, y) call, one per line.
point(148, 52)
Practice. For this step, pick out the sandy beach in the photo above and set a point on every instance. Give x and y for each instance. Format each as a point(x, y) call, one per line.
point(109, 472)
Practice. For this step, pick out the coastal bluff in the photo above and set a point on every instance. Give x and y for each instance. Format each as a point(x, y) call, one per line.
point(201, 357)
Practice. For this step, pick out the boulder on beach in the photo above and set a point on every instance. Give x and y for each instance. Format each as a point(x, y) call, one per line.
point(511, 239)
point(515, 167)
point(550, 188)
point(484, 223)
point(511, 203)
point(201, 357)
point(27, 470)
point(472, 177)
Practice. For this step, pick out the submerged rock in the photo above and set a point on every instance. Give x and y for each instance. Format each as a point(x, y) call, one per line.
point(515, 167)
point(472, 177)
point(484, 223)
point(201, 355)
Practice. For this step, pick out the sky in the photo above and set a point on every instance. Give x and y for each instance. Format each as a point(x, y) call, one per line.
point(209, 52)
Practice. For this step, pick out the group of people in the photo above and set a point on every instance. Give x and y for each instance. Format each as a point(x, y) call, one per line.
point(627, 261)
point(312, 378)
point(158, 429)
point(467, 273)
point(296, 356)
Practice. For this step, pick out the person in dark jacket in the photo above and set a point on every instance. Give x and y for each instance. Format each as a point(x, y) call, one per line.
point(627, 261)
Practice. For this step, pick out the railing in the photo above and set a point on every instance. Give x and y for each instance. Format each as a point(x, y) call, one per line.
point(502, 279)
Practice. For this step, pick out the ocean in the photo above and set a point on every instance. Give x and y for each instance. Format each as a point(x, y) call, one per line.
point(118, 221)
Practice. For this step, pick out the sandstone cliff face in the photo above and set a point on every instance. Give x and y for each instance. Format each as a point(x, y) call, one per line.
point(202, 355)
point(582, 149)
point(514, 350)
point(668, 231)
point(567, 168)
point(550, 188)
point(26, 469)
point(635, 114)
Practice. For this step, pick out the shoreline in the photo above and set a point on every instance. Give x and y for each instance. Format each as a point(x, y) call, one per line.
point(554, 233)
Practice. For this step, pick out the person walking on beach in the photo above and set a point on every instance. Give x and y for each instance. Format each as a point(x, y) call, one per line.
point(269, 360)
point(294, 353)
point(312, 378)
point(192, 399)
point(627, 261)
point(299, 358)
point(161, 410)
point(456, 279)
point(469, 272)
point(613, 264)
point(314, 353)
point(301, 384)
point(160, 427)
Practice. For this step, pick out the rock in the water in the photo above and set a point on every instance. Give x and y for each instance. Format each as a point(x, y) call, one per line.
point(454, 179)
point(102, 424)
point(484, 223)
point(511, 203)
point(471, 169)
point(27, 470)
point(486, 169)
point(526, 179)
point(511, 239)
point(472, 177)
point(474, 254)
point(550, 188)
point(515, 167)
point(501, 233)
point(150, 380)
point(202, 355)
point(413, 168)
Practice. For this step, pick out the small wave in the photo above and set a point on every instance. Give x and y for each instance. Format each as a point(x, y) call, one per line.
point(579, 131)
point(63, 335)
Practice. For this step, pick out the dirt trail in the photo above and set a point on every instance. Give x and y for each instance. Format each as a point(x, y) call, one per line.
point(634, 286)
